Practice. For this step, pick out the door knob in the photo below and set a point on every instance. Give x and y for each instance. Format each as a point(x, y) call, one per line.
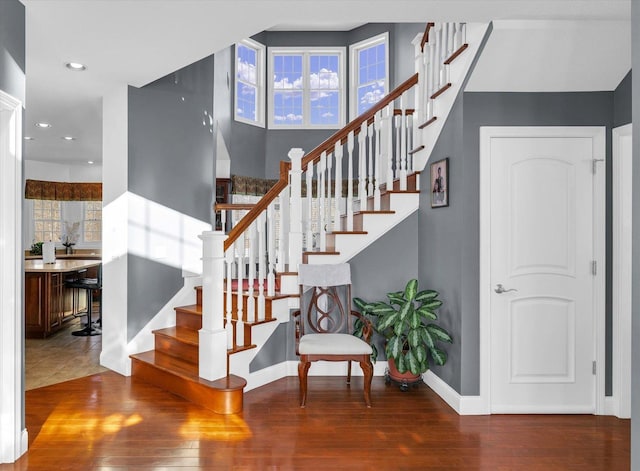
point(500, 289)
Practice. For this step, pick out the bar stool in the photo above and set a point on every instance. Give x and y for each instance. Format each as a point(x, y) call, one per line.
point(90, 285)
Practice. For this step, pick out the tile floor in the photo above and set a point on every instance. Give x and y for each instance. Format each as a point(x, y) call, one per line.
point(61, 357)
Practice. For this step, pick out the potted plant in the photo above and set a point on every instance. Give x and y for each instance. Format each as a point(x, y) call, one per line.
point(406, 323)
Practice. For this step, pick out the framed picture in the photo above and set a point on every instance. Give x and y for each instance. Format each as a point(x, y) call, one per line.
point(439, 183)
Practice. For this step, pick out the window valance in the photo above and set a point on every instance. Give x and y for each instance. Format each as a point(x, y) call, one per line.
point(241, 185)
point(62, 191)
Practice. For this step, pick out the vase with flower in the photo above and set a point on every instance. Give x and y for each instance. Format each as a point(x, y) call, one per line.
point(70, 235)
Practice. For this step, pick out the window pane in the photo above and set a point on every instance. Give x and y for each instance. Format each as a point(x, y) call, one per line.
point(246, 101)
point(287, 107)
point(246, 67)
point(369, 95)
point(325, 108)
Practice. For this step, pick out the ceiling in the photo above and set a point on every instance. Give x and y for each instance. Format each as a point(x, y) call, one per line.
point(134, 42)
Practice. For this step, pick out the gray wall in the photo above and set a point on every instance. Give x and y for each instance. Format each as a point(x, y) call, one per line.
point(635, 358)
point(622, 102)
point(384, 266)
point(12, 49)
point(171, 163)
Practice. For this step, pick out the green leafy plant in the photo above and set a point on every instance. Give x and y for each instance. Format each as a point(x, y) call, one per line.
point(405, 321)
point(36, 248)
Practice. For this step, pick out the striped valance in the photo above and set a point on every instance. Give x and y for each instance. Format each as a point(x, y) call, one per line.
point(62, 191)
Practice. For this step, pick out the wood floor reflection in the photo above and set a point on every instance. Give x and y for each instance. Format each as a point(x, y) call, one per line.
point(109, 422)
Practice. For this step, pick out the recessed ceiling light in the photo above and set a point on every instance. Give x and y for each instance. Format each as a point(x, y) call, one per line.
point(68, 138)
point(28, 138)
point(90, 162)
point(75, 66)
point(43, 125)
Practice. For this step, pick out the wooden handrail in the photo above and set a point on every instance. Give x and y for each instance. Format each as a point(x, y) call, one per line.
point(234, 206)
point(314, 157)
point(425, 36)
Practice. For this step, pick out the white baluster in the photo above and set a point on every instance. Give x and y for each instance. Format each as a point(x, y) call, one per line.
point(403, 143)
point(369, 162)
point(433, 73)
point(251, 302)
point(295, 214)
point(362, 166)
point(240, 244)
point(261, 266)
point(329, 204)
point(464, 33)
point(223, 220)
point(442, 57)
point(378, 156)
point(337, 199)
point(410, 142)
point(271, 234)
point(388, 143)
point(310, 207)
point(350, 139)
point(283, 233)
point(228, 327)
point(322, 230)
point(456, 36)
point(397, 121)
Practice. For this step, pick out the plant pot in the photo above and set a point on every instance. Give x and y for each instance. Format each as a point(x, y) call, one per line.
point(398, 377)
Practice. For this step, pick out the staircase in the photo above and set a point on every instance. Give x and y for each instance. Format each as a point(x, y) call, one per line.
point(311, 215)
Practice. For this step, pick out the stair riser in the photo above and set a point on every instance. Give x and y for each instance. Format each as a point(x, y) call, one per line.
point(385, 203)
point(177, 349)
point(218, 401)
point(188, 320)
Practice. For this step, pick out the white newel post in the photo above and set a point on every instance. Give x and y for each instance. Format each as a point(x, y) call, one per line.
point(295, 214)
point(213, 338)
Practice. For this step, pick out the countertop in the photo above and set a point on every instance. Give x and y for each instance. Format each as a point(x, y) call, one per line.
point(60, 266)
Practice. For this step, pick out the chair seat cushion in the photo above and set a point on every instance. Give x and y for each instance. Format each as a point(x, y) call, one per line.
point(333, 344)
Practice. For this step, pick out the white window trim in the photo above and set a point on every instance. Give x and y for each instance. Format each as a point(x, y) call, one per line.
point(306, 51)
point(83, 239)
point(354, 68)
point(260, 74)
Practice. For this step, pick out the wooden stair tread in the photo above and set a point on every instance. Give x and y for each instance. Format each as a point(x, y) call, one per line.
point(182, 334)
point(427, 123)
point(326, 252)
point(366, 211)
point(275, 297)
point(192, 309)
point(455, 54)
point(187, 371)
point(416, 150)
point(400, 192)
point(441, 91)
point(348, 233)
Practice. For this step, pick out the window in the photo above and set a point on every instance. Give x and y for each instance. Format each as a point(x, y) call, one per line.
point(92, 221)
point(249, 83)
point(306, 88)
point(47, 220)
point(369, 73)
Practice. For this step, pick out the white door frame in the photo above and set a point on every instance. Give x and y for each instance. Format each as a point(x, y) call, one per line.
point(13, 435)
point(621, 275)
point(598, 134)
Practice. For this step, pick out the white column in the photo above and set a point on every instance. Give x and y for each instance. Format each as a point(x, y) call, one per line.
point(362, 166)
point(309, 220)
point(271, 249)
point(350, 182)
point(261, 266)
point(388, 131)
point(251, 302)
point(228, 325)
point(295, 215)
point(337, 212)
point(377, 156)
point(322, 230)
point(212, 337)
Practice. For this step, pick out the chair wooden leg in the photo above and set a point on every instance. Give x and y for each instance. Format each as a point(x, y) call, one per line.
point(303, 368)
point(367, 369)
point(349, 372)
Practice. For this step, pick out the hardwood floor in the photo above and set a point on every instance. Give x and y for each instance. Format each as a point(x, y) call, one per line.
point(109, 422)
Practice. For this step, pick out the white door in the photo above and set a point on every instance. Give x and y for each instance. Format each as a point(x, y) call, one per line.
point(542, 310)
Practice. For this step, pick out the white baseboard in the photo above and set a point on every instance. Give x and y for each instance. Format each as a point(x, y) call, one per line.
point(610, 406)
point(321, 368)
point(463, 405)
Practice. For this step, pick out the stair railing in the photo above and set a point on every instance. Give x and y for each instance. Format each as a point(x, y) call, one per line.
point(312, 198)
